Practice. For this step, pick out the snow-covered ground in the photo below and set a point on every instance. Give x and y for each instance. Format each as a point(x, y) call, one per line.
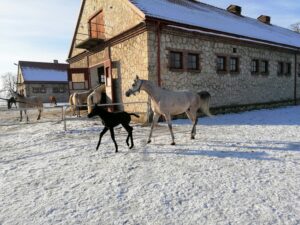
point(241, 169)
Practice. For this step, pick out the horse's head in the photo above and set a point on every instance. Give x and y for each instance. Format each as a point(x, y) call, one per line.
point(11, 101)
point(136, 87)
point(16, 95)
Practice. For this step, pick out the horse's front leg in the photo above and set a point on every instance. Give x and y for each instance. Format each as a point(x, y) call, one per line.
point(154, 122)
point(27, 119)
point(168, 119)
point(112, 134)
point(39, 116)
point(101, 134)
point(21, 116)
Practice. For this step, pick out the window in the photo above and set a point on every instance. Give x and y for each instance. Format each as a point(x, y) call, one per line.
point(254, 66)
point(234, 64)
point(193, 61)
point(221, 64)
point(264, 67)
point(96, 26)
point(78, 81)
point(287, 69)
point(280, 68)
point(58, 90)
point(176, 60)
point(55, 90)
point(62, 90)
point(38, 89)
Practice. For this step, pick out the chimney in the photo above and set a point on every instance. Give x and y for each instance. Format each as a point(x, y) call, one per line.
point(235, 9)
point(264, 19)
point(55, 61)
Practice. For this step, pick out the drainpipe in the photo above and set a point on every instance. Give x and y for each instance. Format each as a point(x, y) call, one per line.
point(88, 67)
point(295, 81)
point(110, 75)
point(158, 36)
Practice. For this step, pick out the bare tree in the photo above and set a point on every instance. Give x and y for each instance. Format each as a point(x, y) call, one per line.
point(8, 82)
point(296, 27)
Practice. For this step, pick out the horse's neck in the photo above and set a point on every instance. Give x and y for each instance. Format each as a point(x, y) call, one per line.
point(152, 90)
point(103, 114)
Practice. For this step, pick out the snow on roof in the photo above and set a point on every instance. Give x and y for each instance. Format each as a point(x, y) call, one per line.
point(37, 74)
point(42, 71)
point(206, 16)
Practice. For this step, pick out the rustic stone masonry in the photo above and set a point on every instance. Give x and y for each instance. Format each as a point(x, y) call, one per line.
point(227, 89)
point(118, 17)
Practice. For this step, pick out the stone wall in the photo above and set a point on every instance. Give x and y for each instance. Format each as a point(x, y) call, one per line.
point(130, 58)
point(226, 89)
point(82, 63)
point(60, 97)
point(114, 13)
point(298, 78)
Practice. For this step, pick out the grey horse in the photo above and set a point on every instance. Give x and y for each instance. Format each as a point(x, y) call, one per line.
point(167, 103)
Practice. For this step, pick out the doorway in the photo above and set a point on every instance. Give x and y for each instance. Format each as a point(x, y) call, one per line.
point(101, 75)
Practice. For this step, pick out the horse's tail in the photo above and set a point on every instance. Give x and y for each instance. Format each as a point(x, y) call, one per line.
point(133, 114)
point(71, 102)
point(204, 102)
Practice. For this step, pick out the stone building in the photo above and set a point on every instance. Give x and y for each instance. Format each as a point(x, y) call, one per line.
point(184, 44)
point(43, 80)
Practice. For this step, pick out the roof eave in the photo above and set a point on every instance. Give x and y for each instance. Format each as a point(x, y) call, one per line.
point(220, 33)
point(76, 28)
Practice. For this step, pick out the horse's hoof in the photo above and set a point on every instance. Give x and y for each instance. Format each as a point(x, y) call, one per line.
point(192, 137)
point(131, 147)
point(149, 141)
point(173, 143)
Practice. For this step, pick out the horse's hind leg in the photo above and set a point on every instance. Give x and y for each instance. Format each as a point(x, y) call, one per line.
point(39, 116)
point(154, 122)
point(129, 131)
point(194, 129)
point(193, 117)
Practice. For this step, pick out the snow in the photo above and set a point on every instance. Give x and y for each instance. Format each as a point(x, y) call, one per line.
point(37, 74)
point(241, 169)
point(206, 16)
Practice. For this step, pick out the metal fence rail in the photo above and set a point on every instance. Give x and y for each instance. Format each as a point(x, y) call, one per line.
point(66, 107)
point(10, 117)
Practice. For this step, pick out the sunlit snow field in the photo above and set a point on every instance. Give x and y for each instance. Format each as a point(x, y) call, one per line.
point(241, 169)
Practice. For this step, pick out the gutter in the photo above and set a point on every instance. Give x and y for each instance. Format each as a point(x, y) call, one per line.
point(222, 34)
point(295, 81)
point(158, 39)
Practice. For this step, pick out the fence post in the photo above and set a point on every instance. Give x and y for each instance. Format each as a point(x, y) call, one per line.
point(64, 118)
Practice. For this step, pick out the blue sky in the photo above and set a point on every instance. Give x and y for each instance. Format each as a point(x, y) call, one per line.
point(39, 30)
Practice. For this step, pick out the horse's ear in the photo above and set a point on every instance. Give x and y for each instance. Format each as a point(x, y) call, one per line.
point(137, 77)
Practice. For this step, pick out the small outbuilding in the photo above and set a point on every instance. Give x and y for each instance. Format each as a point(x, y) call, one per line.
point(43, 79)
